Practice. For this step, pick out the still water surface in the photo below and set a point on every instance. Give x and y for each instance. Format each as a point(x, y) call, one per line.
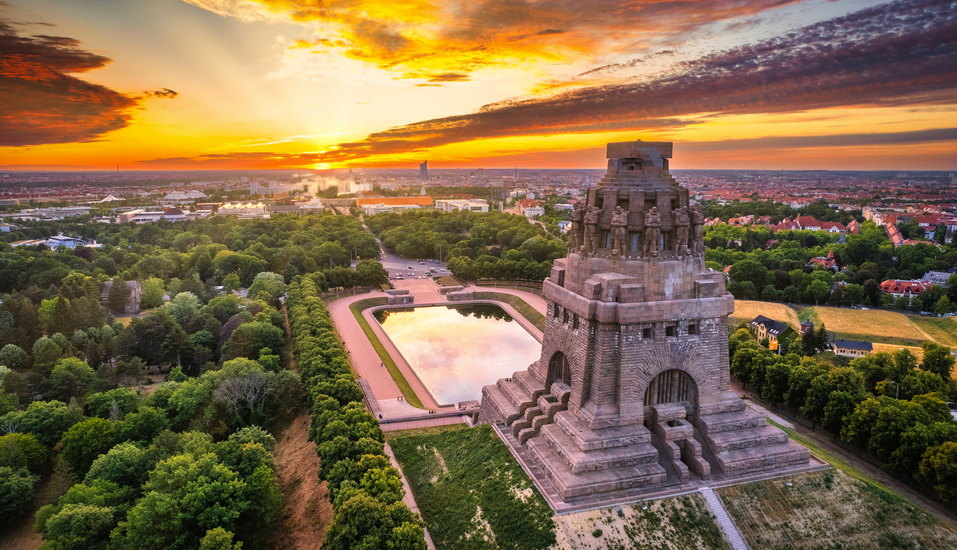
point(457, 350)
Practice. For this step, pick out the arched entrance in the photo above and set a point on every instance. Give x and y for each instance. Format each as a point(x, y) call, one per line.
point(673, 386)
point(558, 370)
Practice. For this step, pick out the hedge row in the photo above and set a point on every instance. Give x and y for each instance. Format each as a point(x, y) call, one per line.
point(366, 491)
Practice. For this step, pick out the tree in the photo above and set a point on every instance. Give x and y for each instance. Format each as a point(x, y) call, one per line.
point(749, 270)
point(143, 425)
point(176, 346)
point(118, 296)
point(47, 420)
point(273, 284)
point(14, 357)
point(247, 339)
point(904, 363)
point(921, 382)
point(219, 539)
point(70, 378)
point(914, 443)
point(87, 440)
point(943, 306)
point(937, 359)
point(840, 406)
point(125, 464)
point(371, 273)
point(45, 353)
point(16, 491)
point(231, 282)
point(364, 522)
point(100, 404)
point(183, 306)
point(185, 497)
point(819, 290)
point(153, 293)
point(939, 466)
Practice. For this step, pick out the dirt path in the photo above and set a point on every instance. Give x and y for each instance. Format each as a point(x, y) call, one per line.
point(303, 523)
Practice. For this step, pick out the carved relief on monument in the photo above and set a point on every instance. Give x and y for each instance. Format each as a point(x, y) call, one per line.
point(652, 233)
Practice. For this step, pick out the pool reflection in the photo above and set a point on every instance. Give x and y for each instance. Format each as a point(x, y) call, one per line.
point(457, 350)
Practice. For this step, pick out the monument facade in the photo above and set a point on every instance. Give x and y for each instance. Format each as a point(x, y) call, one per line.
point(632, 389)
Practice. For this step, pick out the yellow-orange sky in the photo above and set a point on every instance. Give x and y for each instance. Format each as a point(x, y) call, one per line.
point(223, 84)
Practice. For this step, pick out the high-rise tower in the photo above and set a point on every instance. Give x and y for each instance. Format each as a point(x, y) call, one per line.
point(423, 174)
point(633, 385)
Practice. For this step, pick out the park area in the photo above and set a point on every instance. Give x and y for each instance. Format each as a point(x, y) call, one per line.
point(828, 510)
point(473, 494)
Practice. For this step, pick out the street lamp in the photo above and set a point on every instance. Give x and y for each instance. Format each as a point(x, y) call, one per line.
point(897, 394)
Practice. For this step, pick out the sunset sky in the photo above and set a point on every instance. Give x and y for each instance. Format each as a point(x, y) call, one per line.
point(232, 84)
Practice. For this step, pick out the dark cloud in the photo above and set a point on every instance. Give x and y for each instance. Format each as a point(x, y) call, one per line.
point(550, 31)
point(900, 53)
point(165, 93)
point(42, 104)
point(449, 77)
point(810, 142)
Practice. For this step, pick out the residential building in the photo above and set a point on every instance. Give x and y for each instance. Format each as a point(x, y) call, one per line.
point(900, 288)
point(135, 301)
point(777, 332)
point(471, 205)
point(530, 208)
point(828, 262)
point(852, 348)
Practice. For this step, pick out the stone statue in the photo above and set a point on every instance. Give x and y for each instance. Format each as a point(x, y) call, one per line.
point(682, 223)
point(697, 226)
point(578, 216)
point(591, 230)
point(652, 231)
point(619, 234)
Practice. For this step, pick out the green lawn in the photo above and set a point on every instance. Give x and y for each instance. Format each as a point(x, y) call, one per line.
point(471, 491)
point(357, 308)
point(519, 304)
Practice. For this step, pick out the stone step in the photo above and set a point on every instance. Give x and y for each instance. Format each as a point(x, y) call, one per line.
point(726, 422)
point(758, 459)
point(745, 439)
point(526, 434)
point(588, 440)
point(526, 420)
point(573, 486)
point(507, 410)
point(515, 394)
point(529, 385)
point(579, 461)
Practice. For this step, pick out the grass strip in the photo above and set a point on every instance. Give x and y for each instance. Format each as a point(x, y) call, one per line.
point(407, 392)
point(520, 305)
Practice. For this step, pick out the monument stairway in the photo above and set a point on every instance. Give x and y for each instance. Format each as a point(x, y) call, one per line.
point(741, 440)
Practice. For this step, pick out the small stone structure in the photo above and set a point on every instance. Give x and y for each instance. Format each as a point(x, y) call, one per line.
point(448, 289)
point(399, 297)
point(632, 389)
point(459, 296)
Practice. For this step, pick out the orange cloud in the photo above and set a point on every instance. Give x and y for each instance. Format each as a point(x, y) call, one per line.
point(42, 104)
point(426, 38)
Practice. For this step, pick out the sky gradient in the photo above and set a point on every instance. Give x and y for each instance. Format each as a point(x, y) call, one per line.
point(232, 84)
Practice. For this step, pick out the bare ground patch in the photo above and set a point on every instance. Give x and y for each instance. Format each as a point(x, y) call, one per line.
point(678, 523)
point(308, 512)
point(820, 509)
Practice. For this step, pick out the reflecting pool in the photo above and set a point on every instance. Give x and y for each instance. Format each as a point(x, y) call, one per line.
point(455, 350)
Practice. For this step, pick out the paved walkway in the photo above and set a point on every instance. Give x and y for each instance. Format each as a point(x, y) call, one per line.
point(724, 520)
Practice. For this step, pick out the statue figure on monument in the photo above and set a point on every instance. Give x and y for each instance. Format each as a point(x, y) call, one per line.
point(682, 223)
point(619, 221)
point(652, 231)
point(591, 229)
point(697, 226)
point(576, 239)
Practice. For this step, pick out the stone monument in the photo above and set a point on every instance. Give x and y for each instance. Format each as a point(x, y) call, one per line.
point(632, 390)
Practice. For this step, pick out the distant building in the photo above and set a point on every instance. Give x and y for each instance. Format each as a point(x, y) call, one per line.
point(777, 332)
point(854, 227)
point(133, 304)
point(395, 202)
point(471, 205)
point(900, 288)
point(938, 278)
point(52, 213)
point(530, 208)
point(852, 348)
point(806, 327)
point(828, 262)
point(245, 211)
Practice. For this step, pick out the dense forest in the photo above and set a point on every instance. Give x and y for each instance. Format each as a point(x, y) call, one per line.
point(158, 424)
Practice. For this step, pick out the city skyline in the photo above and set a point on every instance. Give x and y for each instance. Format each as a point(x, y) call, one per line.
point(265, 84)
